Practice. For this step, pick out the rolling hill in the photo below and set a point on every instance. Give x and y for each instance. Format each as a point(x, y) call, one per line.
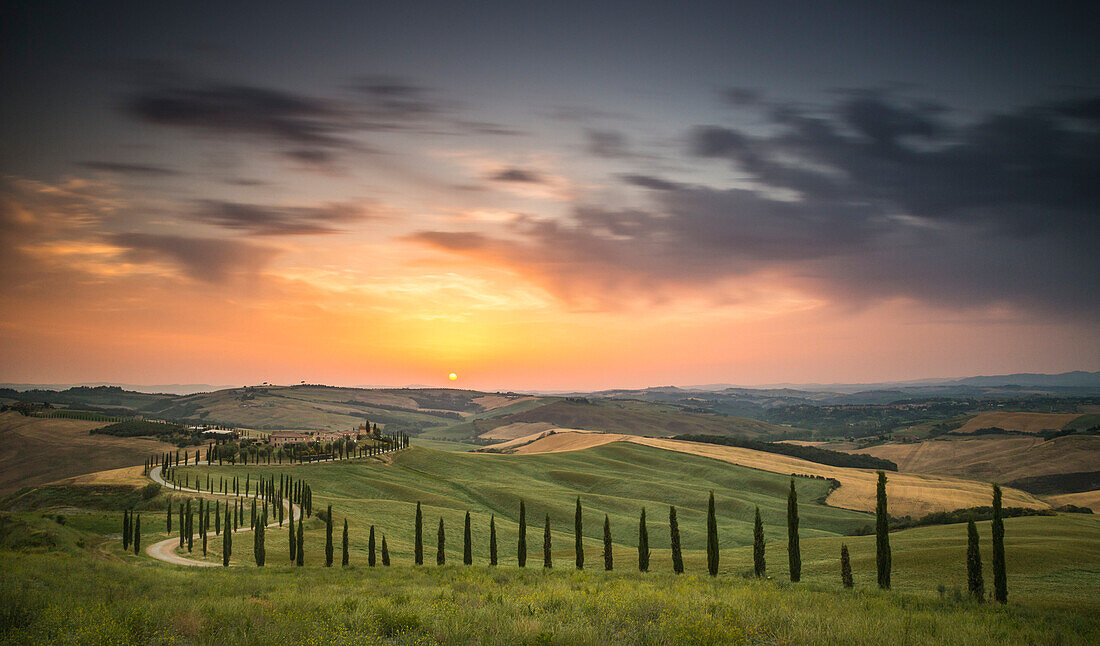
point(615, 416)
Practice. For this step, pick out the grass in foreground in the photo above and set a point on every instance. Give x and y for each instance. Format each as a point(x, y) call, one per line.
point(54, 598)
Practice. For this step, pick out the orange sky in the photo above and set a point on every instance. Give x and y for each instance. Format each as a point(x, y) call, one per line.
point(395, 312)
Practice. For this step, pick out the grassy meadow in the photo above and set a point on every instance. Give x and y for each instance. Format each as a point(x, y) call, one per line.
point(67, 579)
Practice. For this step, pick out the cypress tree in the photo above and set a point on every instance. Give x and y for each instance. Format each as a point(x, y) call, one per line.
point(190, 526)
point(205, 526)
point(261, 553)
point(845, 567)
point(137, 534)
point(712, 538)
point(169, 514)
point(578, 544)
point(293, 547)
point(183, 528)
point(608, 558)
point(547, 560)
point(758, 546)
point(882, 534)
point(370, 547)
point(441, 547)
point(521, 549)
point(345, 557)
point(974, 580)
point(643, 544)
point(217, 517)
point(385, 553)
point(125, 529)
point(674, 537)
point(467, 548)
point(794, 552)
point(300, 557)
point(1000, 576)
point(227, 543)
point(492, 540)
point(418, 542)
point(328, 537)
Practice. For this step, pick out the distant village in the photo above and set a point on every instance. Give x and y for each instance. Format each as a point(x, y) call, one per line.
point(282, 438)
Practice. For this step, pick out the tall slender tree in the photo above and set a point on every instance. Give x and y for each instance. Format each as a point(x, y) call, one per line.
point(205, 527)
point(547, 558)
point(845, 567)
point(293, 547)
point(578, 546)
point(467, 546)
point(712, 538)
point(492, 540)
point(300, 556)
point(190, 526)
point(125, 529)
point(674, 538)
point(441, 545)
point(608, 557)
point(882, 534)
point(137, 534)
point(328, 537)
point(1000, 576)
point(217, 517)
point(227, 543)
point(974, 581)
point(794, 552)
point(183, 529)
point(261, 553)
point(521, 549)
point(643, 544)
point(169, 514)
point(385, 553)
point(758, 546)
point(370, 548)
point(418, 539)
point(345, 557)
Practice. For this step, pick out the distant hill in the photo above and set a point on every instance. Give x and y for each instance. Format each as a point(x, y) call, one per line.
point(633, 418)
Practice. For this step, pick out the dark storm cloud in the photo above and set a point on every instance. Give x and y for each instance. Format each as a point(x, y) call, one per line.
point(518, 175)
point(278, 220)
point(872, 198)
point(205, 259)
point(313, 128)
point(651, 182)
point(146, 170)
point(607, 143)
point(741, 96)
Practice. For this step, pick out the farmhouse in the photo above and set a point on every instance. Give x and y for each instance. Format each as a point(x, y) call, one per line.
point(279, 438)
point(332, 436)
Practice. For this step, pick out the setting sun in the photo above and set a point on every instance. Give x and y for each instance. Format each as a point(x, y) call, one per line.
point(452, 376)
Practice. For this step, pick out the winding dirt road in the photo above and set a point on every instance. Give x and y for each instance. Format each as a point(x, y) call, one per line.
point(165, 550)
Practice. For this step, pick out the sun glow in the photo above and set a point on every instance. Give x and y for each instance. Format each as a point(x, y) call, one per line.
point(452, 376)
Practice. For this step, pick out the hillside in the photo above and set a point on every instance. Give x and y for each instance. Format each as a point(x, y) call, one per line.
point(999, 458)
point(324, 407)
point(1019, 422)
point(911, 494)
point(627, 417)
point(35, 450)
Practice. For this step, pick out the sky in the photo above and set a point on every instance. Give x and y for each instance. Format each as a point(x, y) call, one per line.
point(547, 195)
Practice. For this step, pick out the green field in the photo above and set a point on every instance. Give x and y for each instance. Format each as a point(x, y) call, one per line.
point(67, 579)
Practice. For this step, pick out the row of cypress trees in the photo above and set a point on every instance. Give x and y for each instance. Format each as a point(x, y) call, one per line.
point(795, 562)
point(131, 531)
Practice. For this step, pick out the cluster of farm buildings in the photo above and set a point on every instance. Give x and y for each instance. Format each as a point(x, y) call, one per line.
point(279, 438)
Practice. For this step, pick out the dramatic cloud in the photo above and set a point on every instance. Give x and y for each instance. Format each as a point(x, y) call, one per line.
point(278, 220)
point(874, 199)
point(313, 128)
point(146, 170)
point(518, 175)
point(206, 259)
point(607, 143)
